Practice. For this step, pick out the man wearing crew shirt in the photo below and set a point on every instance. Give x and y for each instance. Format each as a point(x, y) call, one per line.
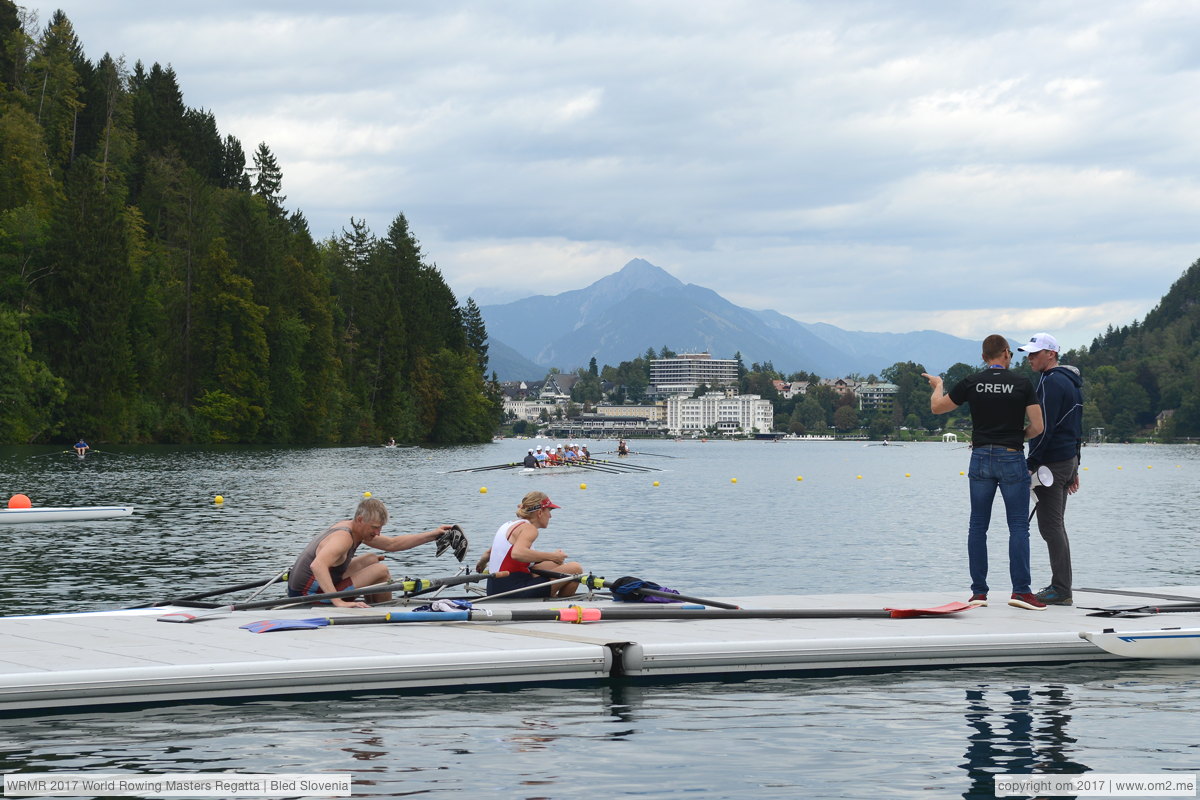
point(1000, 401)
point(1057, 449)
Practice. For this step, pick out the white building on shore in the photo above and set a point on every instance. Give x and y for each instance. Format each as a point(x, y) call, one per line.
point(685, 373)
point(725, 411)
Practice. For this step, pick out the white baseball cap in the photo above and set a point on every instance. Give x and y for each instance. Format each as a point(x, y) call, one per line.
point(1039, 342)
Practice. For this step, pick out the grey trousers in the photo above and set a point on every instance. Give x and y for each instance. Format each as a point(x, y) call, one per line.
point(1051, 508)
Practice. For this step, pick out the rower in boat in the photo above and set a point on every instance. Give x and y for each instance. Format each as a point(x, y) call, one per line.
point(329, 564)
point(531, 461)
point(622, 448)
point(540, 456)
point(512, 552)
point(81, 448)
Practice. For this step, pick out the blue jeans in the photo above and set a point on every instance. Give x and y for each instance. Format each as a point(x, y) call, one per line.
point(993, 467)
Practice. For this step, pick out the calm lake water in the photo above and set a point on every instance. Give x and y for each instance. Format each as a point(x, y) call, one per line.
point(724, 518)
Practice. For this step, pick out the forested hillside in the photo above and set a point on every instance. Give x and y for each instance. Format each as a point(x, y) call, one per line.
point(1135, 372)
point(154, 287)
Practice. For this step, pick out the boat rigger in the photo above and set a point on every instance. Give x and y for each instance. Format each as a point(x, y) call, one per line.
point(90, 660)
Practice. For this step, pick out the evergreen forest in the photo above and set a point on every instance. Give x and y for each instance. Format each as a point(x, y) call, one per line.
point(154, 287)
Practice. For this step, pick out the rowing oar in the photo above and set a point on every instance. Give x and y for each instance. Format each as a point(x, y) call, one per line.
point(1142, 611)
point(241, 587)
point(625, 467)
point(579, 614)
point(592, 582)
point(1154, 595)
point(592, 467)
point(485, 469)
point(407, 586)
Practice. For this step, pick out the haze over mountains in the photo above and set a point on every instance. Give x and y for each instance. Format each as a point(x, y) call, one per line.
point(621, 315)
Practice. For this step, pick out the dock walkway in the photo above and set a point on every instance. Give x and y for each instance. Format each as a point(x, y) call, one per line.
point(88, 660)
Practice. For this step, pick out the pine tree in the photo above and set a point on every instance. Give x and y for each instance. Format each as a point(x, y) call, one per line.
point(268, 179)
point(477, 338)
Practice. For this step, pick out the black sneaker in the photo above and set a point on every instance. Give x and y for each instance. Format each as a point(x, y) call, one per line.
point(1052, 597)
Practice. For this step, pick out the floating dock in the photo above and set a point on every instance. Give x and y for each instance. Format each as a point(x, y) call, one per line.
point(88, 660)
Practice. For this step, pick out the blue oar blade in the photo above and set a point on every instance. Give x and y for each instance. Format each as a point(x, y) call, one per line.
point(269, 625)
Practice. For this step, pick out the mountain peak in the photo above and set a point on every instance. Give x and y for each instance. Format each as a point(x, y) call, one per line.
point(620, 315)
point(639, 274)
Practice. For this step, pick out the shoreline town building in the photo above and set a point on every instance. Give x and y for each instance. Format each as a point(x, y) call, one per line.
point(684, 374)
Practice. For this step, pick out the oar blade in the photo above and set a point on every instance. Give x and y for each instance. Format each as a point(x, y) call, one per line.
point(948, 608)
point(198, 615)
point(271, 625)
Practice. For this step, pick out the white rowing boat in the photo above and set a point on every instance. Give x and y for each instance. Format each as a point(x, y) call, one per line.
point(553, 469)
point(1163, 643)
point(11, 515)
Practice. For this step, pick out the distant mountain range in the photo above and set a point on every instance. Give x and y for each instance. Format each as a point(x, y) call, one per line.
point(641, 306)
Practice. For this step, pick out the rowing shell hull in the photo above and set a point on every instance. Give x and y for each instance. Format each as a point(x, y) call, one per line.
point(1166, 643)
point(14, 515)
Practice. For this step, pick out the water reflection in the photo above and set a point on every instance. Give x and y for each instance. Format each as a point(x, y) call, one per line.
point(1017, 730)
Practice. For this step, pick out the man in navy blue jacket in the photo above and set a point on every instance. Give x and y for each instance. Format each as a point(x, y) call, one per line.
point(1057, 448)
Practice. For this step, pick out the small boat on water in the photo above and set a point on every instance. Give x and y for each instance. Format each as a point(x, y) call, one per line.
point(73, 513)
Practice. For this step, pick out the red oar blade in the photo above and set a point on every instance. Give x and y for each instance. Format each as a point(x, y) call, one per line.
point(948, 608)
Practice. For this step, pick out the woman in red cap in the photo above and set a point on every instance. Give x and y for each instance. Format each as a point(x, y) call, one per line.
point(512, 552)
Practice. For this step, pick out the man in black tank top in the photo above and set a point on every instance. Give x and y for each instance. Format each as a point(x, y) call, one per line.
point(329, 564)
point(1000, 402)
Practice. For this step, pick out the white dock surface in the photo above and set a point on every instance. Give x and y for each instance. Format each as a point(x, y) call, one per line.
point(83, 661)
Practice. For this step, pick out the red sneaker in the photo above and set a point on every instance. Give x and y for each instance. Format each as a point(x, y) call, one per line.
point(978, 600)
point(1027, 600)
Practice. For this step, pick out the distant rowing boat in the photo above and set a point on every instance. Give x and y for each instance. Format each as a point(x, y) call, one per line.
point(17, 515)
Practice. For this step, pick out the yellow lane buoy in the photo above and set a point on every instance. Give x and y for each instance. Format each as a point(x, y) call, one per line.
point(218, 499)
point(963, 473)
point(799, 477)
point(483, 490)
point(656, 483)
point(733, 480)
point(858, 478)
point(583, 486)
point(908, 474)
point(366, 494)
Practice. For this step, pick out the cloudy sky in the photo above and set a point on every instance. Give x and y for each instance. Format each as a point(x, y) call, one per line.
point(881, 166)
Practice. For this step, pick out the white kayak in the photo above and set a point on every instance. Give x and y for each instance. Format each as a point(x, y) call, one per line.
point(9, 515)
point(1163, 643)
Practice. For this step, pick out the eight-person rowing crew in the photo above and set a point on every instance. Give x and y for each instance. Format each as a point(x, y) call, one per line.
point(565, 454)
point(330, 563)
